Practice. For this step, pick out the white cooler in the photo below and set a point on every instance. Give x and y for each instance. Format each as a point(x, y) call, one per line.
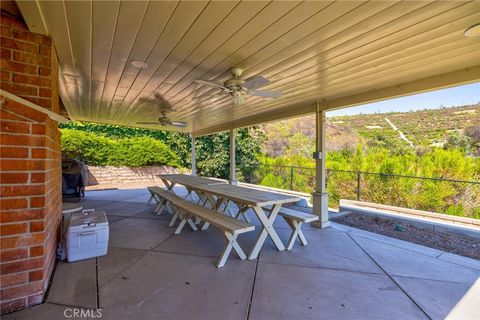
point(87, 235)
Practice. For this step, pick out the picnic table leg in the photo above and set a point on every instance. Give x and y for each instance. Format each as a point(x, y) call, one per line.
point(267, 223)
point(215, 205)
point(168, 184)
point(232, 244)
point(296, 232)
point(243, 211)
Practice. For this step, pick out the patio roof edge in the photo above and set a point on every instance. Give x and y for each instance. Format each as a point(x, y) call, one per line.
point(450, 79)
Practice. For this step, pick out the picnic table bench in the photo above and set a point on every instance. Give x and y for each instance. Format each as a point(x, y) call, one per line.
point(185, 209)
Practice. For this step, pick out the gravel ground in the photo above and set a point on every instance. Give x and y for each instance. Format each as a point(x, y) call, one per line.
point(444, 241)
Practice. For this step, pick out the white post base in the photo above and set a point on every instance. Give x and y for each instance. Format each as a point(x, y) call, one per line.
point(233, 182)
point(320, 208)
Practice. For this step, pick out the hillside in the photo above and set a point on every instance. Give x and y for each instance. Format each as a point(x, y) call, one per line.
point(420, 129)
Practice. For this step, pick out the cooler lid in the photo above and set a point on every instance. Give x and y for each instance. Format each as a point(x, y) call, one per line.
point(87, 220)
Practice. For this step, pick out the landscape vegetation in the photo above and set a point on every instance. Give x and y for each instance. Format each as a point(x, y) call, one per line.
point(385, 158)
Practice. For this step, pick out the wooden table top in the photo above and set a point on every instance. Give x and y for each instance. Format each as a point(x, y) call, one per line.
point(189, 180)
point(248, 196)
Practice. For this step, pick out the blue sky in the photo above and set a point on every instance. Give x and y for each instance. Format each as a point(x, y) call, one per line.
point(461, 95)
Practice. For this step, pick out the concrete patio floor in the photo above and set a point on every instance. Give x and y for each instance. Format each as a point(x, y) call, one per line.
point(343, 273)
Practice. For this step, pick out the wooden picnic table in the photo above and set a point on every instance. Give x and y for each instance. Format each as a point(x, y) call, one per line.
point(245, 198)
point(170, 180)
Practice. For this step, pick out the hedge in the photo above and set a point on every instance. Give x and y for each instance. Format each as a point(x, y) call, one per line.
point(99, 150)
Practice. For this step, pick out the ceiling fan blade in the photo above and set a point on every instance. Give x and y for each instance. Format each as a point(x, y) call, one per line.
point(212, 84)
point(266, 94)
point(255, 83)
point(147, 123)
point(180, 124)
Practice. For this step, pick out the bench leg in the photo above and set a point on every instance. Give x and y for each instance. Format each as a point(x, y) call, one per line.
point(185, 219)
point(232, 244)
point(296, 232)
point(160, 204)
point(174, 219)
point(151, 198)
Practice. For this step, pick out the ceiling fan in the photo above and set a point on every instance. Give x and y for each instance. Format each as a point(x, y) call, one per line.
point(237, 87)
point(166, 121)
point(164, 107)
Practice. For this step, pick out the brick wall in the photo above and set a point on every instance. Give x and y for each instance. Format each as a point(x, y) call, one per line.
point(113, 175)
point(30, 158)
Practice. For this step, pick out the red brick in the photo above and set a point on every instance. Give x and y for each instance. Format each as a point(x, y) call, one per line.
point(37, 177)
point(37, 202)
point(15, 44)
point(25, 111)
point(16, 191)
point(13, 279)
point(38, 129)
point(39, 153)
point(14, 127)
point(13, 66)
point(31, 59)
point(11, 229)
point(36, 251)
point(36, 275)
point(20, 89)
point(8, 43)
point(22, 291)
point(22, 165)
point(36, 226)
point(11, 116)
point(45, 51)
point(13, 22)
point(45, 92)
point(9, 306)
point(22, 215)
point(6, 54)
point(32, 80)
point(13, 152)
point(5, 75)
point(31, 37)
point(22, 240)
point(15, 254)
point(44, 71)
point(35, 299)
point(6, 32)
point(42, 102)
point(13, 203)
point(22, 140)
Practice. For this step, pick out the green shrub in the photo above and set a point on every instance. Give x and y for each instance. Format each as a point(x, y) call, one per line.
point(92, 149)
point(141, 151)
point(99, 150)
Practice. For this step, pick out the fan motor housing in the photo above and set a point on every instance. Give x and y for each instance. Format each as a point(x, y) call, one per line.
point(234, 83)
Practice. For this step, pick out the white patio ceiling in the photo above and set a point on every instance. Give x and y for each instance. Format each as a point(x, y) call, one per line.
point(338, 53)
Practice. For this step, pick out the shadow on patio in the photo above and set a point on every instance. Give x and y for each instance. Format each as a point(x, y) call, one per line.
point(343, 273)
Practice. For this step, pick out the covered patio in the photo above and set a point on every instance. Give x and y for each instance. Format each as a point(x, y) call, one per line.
point(195, 67)
point(343, 273)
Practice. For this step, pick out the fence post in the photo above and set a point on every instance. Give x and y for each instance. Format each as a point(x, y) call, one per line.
point(291, 177)
point(358, 184)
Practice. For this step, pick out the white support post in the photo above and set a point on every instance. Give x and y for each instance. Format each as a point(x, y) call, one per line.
point(194, 160)
point(320, 196)
point(233, 178)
